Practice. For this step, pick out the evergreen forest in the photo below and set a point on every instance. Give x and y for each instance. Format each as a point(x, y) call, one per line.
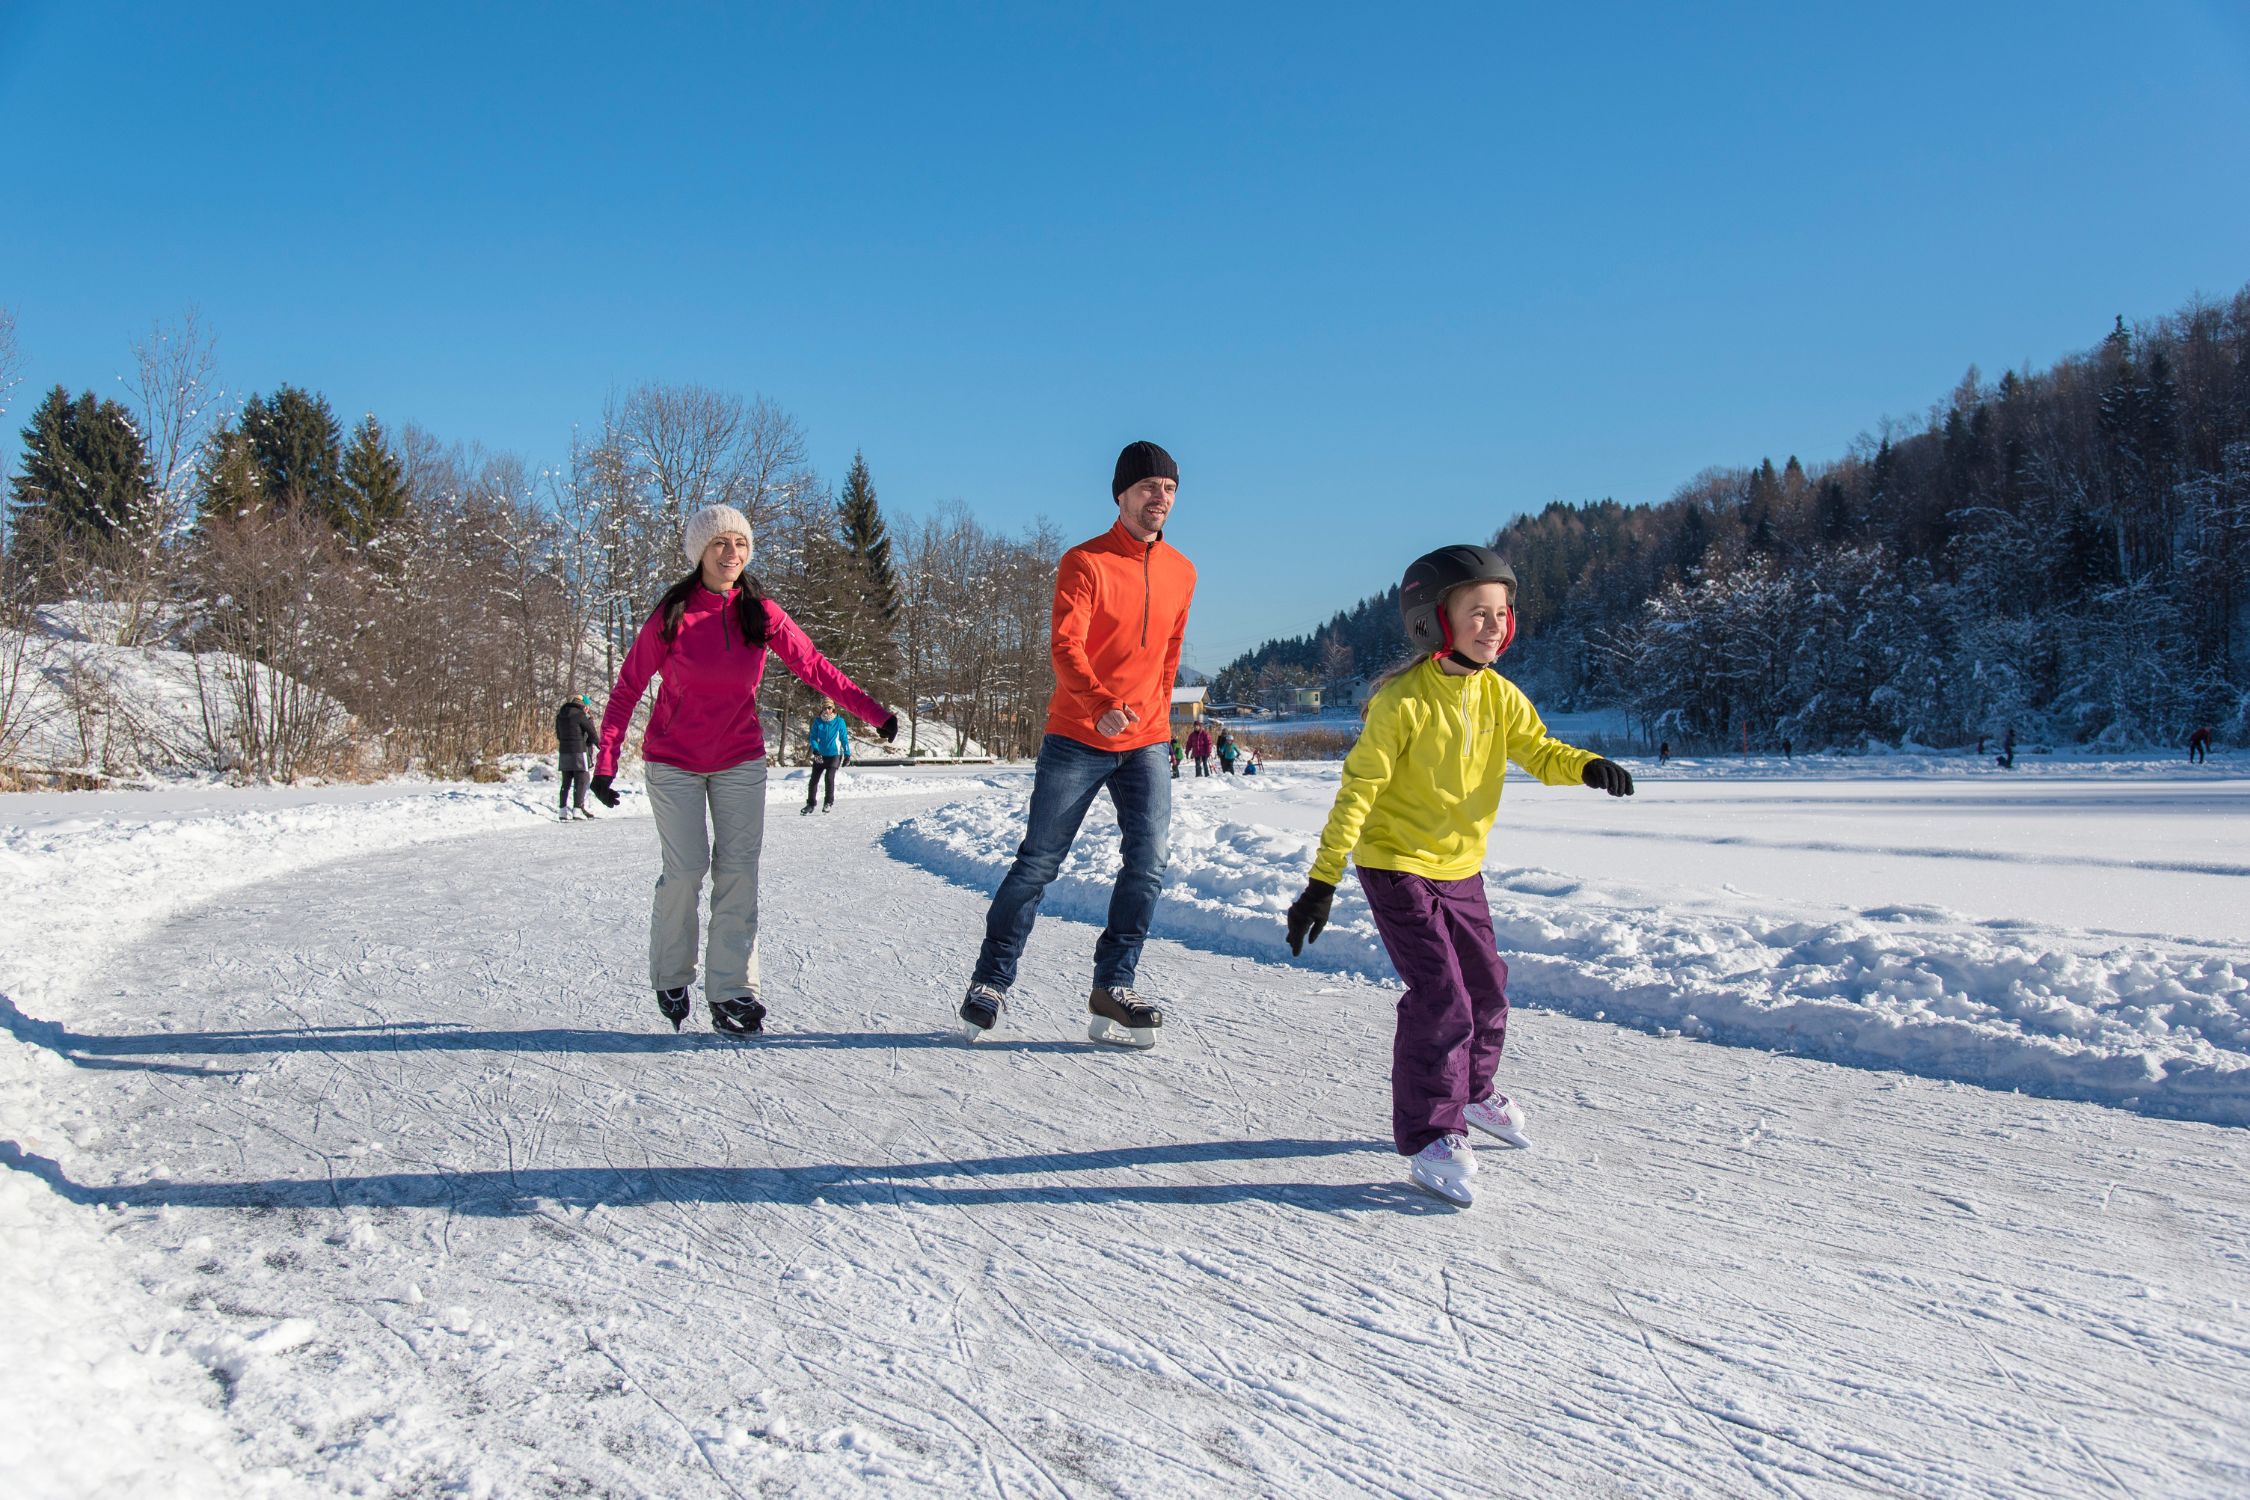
point(2065, 552)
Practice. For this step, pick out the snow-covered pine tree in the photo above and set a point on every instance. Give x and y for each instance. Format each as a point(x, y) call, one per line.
point(298, 446)
point(372, 487)
point(868, 539)
point(228, 480)
point(85, 479)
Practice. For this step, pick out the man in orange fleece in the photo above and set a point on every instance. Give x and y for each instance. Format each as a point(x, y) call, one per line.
point(1121, 608)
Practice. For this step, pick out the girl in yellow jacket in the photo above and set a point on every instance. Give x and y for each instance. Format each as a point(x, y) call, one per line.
point(1420, 790)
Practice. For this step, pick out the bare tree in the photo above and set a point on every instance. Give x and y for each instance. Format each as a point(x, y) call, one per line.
point(178, 403)
point(607, 513)
point(176, 407)
point(11, 374)
point(24, 651)
point(973, 642)
point(686, 446)
point(582, 501)
point(282, 619)
point(770, 468)
point(11, 358)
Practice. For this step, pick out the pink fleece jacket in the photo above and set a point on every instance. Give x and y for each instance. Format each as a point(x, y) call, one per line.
point(706, 716)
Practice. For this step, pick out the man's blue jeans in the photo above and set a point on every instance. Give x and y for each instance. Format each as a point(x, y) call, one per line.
point(1063, 785)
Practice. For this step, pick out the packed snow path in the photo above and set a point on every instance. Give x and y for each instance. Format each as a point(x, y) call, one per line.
point(459, 1212)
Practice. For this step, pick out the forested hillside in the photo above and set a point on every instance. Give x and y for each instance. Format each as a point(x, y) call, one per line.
point(2066, 551)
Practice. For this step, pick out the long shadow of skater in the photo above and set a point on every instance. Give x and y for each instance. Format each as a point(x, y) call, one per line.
point(134, 1049)
point(529, 1189)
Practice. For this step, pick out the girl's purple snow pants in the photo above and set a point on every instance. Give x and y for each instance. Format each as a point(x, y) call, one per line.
point(1453, 1017)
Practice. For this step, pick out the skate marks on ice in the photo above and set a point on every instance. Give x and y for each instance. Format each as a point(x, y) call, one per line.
point(585, 1311)
point(536, 1261)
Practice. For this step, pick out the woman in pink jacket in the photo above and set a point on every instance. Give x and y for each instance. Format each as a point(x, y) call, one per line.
point(706, 754)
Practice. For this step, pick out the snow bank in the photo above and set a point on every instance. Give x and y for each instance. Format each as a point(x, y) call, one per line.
point(94, 706)
point(91, 1399)
point(2162, 1028)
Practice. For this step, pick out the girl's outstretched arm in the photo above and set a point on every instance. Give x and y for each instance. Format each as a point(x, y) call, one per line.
point(1531, 747)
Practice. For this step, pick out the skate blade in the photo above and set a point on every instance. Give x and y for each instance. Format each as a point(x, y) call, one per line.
point(1103, 1029)
point(1459, 1194)
point(1515, 1138)
point(972, 1032)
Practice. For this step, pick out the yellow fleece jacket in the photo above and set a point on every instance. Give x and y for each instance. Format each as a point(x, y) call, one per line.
point(1422, 786)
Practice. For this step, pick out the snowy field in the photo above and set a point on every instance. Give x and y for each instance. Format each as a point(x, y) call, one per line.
point(1889, 1120)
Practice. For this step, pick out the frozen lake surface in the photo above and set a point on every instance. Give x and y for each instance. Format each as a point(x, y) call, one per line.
point(346, 1154)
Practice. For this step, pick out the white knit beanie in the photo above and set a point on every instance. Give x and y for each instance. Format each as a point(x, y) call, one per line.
point(711, 521)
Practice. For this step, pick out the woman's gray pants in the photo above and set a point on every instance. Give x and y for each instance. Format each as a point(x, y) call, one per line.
point(727, 846)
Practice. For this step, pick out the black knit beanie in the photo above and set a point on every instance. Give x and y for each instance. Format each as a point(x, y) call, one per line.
point(1142, 461)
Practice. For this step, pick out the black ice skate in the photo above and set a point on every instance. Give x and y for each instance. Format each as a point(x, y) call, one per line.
point(981, 1010)
point(674, 1004)
point(1122, 1018)
point(740, 1016)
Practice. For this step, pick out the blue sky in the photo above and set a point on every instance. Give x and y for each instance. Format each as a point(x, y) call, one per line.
point(1380, 277)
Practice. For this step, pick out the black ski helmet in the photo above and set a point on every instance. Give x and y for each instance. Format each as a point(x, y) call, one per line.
point(1433, 575)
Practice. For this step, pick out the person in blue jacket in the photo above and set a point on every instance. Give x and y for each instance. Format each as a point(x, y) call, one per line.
point(831, 747)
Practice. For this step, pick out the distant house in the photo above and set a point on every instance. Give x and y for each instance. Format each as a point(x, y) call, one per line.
point(1304, 700)
point(1187, 706)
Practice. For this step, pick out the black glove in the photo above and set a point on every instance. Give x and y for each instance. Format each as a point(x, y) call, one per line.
point(1308, 914)
point(600, 786)
point(1608, 776)
point(888, 729)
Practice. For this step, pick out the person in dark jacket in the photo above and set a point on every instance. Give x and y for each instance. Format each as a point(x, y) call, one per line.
point(2199, 744)
point(574, 747)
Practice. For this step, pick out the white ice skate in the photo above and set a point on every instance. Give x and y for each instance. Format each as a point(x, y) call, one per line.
point(1444, 1167)
point(1498, 1115)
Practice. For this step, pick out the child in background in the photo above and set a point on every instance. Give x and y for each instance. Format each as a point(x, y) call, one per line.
point(1420, 791)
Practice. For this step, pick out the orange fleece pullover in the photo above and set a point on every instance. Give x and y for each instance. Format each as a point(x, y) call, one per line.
point(1121, 609)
